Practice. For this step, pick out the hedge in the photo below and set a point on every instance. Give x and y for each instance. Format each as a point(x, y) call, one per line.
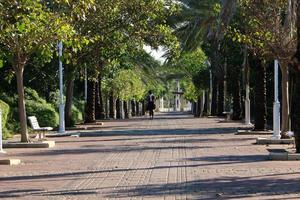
point(5, 111)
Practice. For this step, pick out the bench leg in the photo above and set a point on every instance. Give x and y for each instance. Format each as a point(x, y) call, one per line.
point(40, 136)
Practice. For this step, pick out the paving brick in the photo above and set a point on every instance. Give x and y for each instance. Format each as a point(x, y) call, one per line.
point(170, 157)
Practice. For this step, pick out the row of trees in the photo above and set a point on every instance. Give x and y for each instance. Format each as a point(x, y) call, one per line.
point(235, 40)
point(246, 36)
point(106, 37)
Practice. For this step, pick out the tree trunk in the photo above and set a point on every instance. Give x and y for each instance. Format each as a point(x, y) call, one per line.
point(106, 107)
point(133, 108)
point(296, 68)
point(260, 96)
point(194, 108)
point(126, 110)
point(118, 108)
point(198, 110)
point(214, 106)
point(221, 98)
point(90, 104)
point(112, 106)
point(143, 108)
point(99, 107)
point(206, 107)
point(202, 100)
point(296, 108)
point(285, 107)
point(21, 101)
point(236, 95)
point(97, 102)
point(137, 104)
point(69, 101)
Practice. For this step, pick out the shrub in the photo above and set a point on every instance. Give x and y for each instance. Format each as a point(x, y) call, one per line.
point(76, 115)
point(5, 111)
point(45, 112)
point(35, 105)
point(31, 94)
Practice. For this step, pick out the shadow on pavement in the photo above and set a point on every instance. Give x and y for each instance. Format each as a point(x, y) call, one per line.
point(225, 188)
point(135, 132)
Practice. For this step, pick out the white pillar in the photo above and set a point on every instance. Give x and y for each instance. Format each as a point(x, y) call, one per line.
point(1, 147)
point(61, 104)
point(276, 109)
point(161, 104)
point(247, 106)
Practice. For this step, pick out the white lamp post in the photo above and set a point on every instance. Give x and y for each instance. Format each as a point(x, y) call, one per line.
point(61, 97)
point(276, 108)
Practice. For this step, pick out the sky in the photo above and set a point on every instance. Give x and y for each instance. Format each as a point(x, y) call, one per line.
point(157, 54)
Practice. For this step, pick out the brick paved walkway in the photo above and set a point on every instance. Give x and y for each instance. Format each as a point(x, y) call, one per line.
point(171, 157)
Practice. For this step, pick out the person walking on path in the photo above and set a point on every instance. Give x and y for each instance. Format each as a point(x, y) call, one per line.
point(151, 104)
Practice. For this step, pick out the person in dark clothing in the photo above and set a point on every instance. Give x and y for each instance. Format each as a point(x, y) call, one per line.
point(151, 104)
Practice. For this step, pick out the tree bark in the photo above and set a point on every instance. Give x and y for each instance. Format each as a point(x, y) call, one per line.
point(236, 94)
point(202, 100)
point(214, 106)
point(296, 107)
point(194, 108)
point(133, 108)
point(198, 104)
point(296, 68)
point(90, 104)
point(97, 102)
point(106, 107)
point(19, 68)
point(99, 107)
point(69, 102)
point(137, 104)
point(221, 98)
point(118, 108)
point(112, 106)
point(126, 110)
point(285, 106)
point(260, 96)
point(143, 108)
point(206, 110)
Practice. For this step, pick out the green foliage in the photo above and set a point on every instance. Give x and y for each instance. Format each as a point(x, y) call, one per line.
point(193, 64)
point(5, 111)
point(35, 105)
point(45, 113)
point(32, 95)
point(266, 27)
point(194, 20)
point(76, 115)
point(190, 91)
point(77, 111)
point(29, 27)
point(127, 84)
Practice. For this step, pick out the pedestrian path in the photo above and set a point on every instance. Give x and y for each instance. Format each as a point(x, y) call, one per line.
point(171, 157)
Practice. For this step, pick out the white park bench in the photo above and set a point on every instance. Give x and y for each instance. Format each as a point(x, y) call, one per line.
point(228, 115)
point(36, 127)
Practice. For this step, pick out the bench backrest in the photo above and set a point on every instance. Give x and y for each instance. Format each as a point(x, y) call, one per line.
point(33, 122)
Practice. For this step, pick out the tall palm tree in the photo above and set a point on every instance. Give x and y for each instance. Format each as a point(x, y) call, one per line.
point(200, 21)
